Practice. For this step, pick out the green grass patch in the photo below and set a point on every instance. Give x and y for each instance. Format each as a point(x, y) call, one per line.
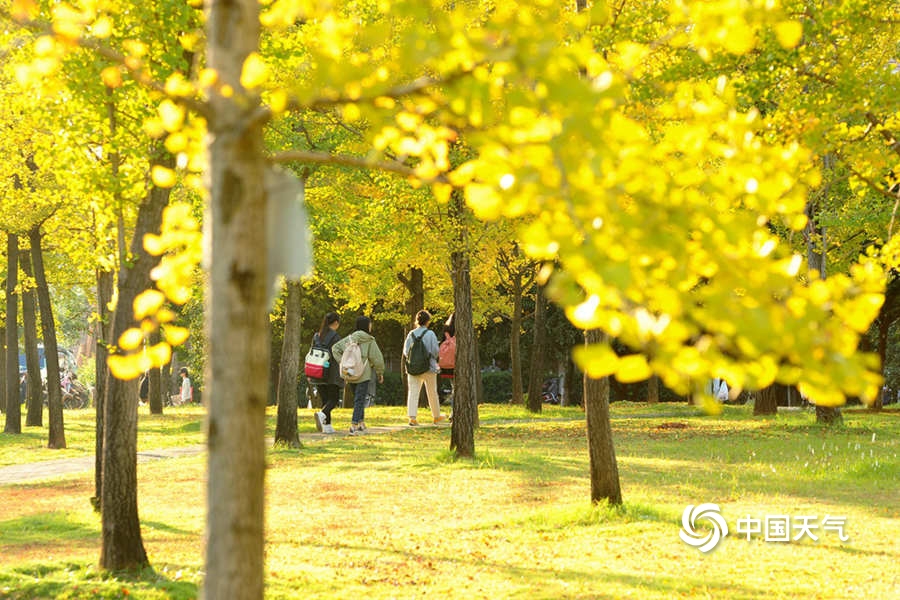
point(397, 515)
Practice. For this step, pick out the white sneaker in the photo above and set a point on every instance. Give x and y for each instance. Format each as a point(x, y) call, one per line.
point(327, 428)
point(320, 420)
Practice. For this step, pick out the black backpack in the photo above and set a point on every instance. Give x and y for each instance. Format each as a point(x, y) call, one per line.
point(418, 361)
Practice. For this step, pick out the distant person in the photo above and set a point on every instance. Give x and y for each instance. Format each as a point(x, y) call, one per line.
point(144, 391)
point(186, 390)
point(428, 377)
point(372, 366)
point(447, 352)
point(331, 384)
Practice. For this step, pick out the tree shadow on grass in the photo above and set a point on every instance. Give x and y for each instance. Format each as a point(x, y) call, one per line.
point(559, 582)
point(61, 580)
point(44, 528)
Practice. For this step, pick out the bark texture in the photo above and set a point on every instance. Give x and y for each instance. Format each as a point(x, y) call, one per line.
point(34, 401)
point(122, 544)
point(237, 314)
point(286, 424)
point(57, 433)
point(105, 283)
point(538, 352)
point(766, 401)
point(13, 408)
point(465, 391)
point(604, 468)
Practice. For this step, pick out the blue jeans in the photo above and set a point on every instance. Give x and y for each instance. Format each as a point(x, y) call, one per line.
point(360, 391)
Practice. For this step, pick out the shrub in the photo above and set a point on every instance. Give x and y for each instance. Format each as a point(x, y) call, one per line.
point(497, 387)
point(390, 392)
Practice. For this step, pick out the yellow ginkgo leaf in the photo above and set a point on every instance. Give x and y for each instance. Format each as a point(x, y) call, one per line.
point(255, 71)
point(176, 335)
point(633, 368)
point(154, 244)
point(147, 303)
point(162, 177)
point(159, 354)
point(789, 33)
point(131, 339)
point(171, 114)
point(111, 76)
point(102, 27)
point(597, 360)
point(484, 201)
point(126, 367)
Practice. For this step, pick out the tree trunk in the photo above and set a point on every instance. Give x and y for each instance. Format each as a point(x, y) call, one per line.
point(123, 547)
point(34, 401)
point(515, 335)
point(57, 433)
point(604, 469)
point(465, 393)
point(653, 389)
point(538, 351)
point(766, 401)
point(570, 383)
point(884, 326)
point(286, 425)
point(415, 287)
point(3, 365)
point(816, 254)
point(105, 283)
point(466, 373)
point(13, 407)
point(827, 415)
point(237, 314)
point(154, 391)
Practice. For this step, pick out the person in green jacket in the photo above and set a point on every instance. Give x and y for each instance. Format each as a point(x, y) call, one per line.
point(374, 367)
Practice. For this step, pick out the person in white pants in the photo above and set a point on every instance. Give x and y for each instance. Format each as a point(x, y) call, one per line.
point(429, 377)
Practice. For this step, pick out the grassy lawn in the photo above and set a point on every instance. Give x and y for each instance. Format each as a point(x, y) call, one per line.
point(393, 516)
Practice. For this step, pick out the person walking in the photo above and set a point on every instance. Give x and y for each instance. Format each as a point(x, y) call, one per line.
point(330, 386)
point(186, 390)
point(372, 367)
point(422, 369)
point(144, 390)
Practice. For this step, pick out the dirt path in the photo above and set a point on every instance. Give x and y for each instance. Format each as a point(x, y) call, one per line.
point(47, 469)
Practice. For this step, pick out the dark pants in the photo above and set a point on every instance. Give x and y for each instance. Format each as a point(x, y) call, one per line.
point(331, 397)
point(360, 392)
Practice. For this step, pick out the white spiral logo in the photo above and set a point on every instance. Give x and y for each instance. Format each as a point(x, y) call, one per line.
point(690, 535)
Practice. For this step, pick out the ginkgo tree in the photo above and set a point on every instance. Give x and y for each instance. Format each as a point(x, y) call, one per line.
point(658, 213)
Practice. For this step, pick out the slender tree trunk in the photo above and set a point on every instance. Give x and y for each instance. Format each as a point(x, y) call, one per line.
point(884, 326)
point(286, 425)
point(570, 381)
point(415, 287)
point(465, 393)
point(123, 547)
point(237, 314)
point(3, 365)
point(815, 250)
point(604, 468)
point(35, 409)
point(465, 373)
point(538, 351)
point(13, 407)
point(766, 401)
point(57, 434)
point(653, 389)
point(515, 336)
point(105, 284)
point(154, 393)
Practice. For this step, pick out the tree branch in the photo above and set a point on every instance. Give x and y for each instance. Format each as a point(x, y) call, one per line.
point(344, 160)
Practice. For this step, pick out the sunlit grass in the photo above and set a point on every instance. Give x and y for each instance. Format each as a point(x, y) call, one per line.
point(396, 516)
